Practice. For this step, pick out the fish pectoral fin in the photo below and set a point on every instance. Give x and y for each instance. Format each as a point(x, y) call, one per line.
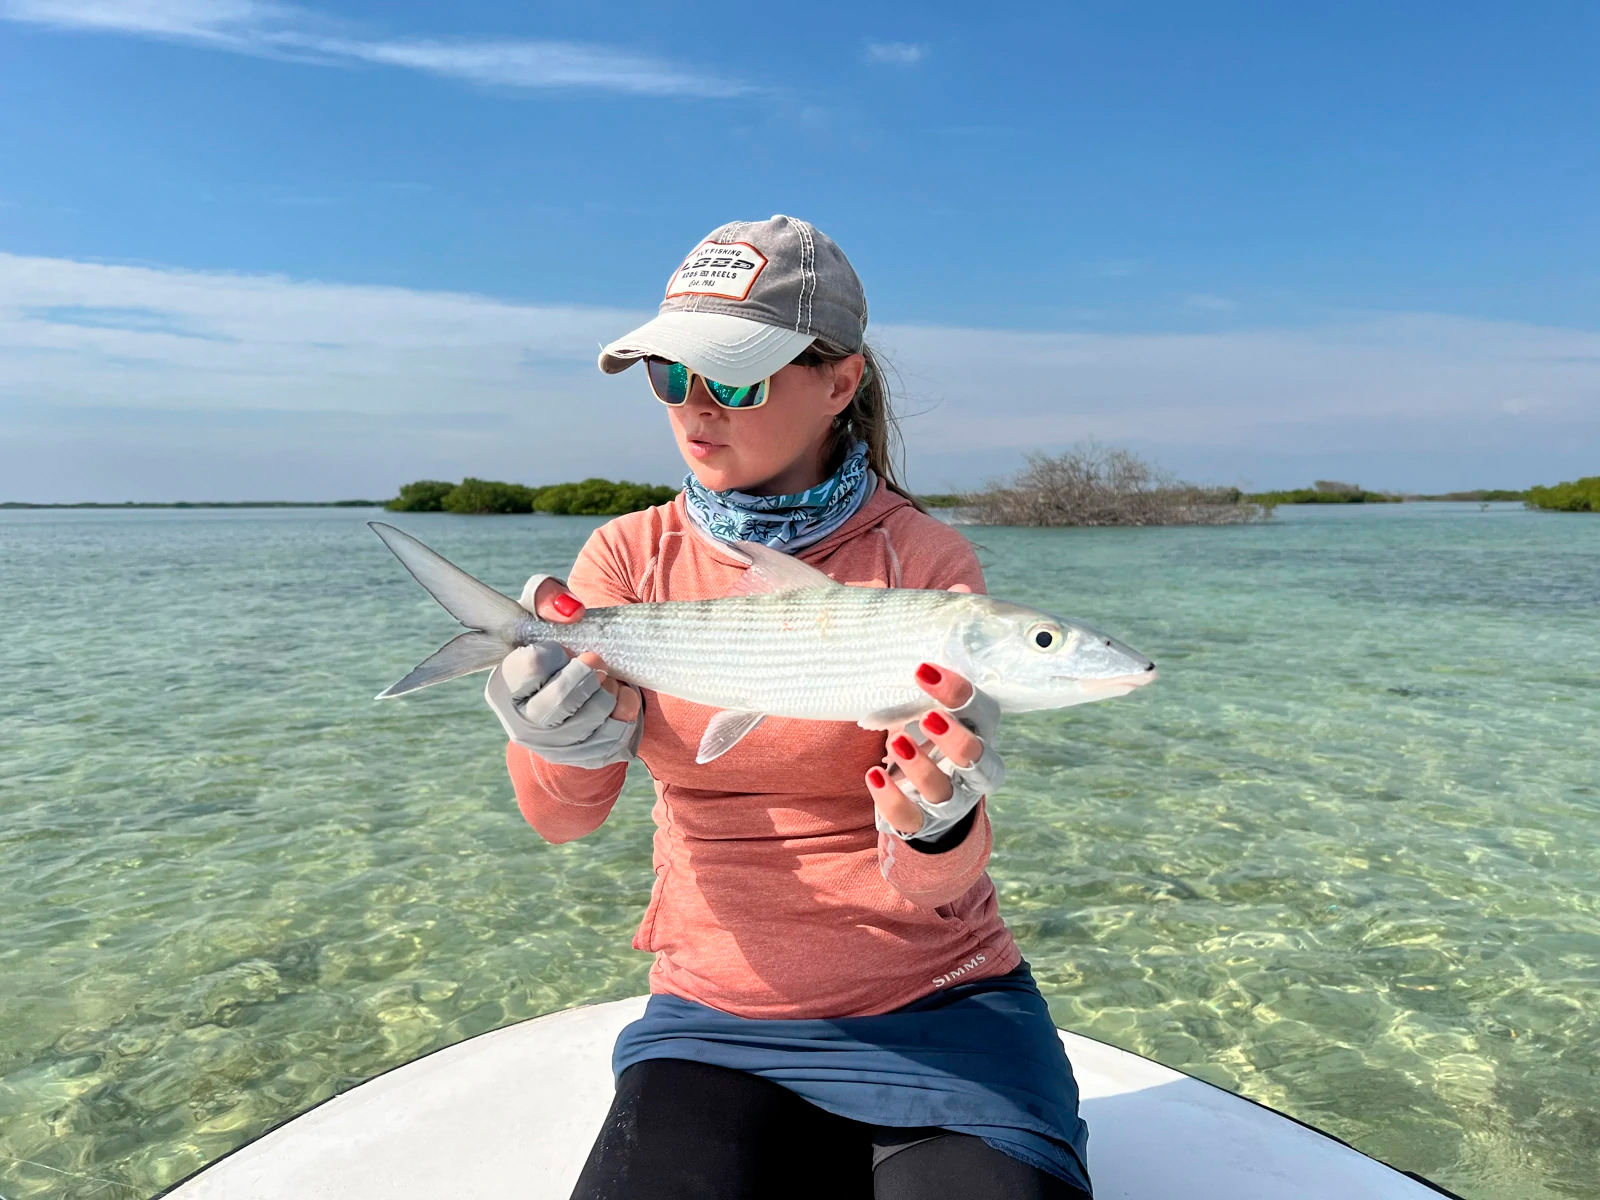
point(773, 571)
point(725, 731)
point(891, 718)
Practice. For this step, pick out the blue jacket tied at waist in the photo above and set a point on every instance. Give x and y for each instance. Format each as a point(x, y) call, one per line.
point(981, 1058)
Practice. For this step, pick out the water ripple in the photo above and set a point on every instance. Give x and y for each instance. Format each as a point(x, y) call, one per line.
point(1341, 858)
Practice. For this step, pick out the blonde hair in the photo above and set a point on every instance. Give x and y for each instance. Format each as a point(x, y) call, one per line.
point(869, 418)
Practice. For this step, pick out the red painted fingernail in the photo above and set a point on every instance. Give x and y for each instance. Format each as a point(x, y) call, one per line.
point(929, 674)
point(877, 778)
point(567, 605)
point(903, 747)
point(935, 724)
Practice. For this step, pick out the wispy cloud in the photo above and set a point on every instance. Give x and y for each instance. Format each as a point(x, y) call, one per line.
point(1209, 303)
point(134, 319)
point(288, 31)
point(223, 21)
point(902, 54)
point(1114, 268)
point(121, 382)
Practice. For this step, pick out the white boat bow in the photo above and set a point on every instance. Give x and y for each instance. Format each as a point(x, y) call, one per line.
point(512, 1114)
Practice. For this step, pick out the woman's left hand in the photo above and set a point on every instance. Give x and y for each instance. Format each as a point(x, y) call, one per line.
point(924, 790)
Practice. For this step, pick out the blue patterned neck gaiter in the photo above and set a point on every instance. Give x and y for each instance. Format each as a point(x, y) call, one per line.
point(786, 523)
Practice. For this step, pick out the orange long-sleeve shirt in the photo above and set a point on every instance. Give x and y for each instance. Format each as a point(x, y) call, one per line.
point(775, 894)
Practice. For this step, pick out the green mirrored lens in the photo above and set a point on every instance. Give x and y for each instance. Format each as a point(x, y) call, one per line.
point(668, 380)
point(737, 397)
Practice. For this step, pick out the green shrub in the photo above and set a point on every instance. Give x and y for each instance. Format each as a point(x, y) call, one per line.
point(632, 497)
point(1480, 495)
point(592, 497)
point(425, 495)
point(601, 497)
point(1325, 492)
point(489, 496)
point(1580, 495)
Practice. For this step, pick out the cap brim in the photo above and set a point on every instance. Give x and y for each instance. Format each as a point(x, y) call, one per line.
point(731, 350)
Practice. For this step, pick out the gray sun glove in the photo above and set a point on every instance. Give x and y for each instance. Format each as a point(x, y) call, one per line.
point(555, 706)
point(980, 714)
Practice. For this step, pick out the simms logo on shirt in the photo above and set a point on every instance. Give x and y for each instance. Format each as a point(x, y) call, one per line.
point(726, 270)
point(972, 964)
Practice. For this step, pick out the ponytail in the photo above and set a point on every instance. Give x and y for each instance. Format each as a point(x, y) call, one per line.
point(869, 418)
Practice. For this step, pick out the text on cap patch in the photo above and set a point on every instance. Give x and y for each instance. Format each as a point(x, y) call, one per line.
point(723, 269)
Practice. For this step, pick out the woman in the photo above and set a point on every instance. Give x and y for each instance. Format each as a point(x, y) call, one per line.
point(836, 1002)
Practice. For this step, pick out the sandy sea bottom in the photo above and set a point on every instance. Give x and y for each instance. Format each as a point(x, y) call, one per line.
point(1342, 858)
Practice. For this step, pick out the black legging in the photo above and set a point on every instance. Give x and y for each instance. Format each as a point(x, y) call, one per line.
point(682, 1130)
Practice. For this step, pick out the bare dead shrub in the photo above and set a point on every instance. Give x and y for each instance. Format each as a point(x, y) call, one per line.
point(1092, 484)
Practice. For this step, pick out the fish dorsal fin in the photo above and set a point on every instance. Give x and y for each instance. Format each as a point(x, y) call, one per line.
point(725, 731)
point(774, 571)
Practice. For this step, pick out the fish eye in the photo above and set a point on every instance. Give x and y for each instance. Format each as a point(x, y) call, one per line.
point(1045, 637)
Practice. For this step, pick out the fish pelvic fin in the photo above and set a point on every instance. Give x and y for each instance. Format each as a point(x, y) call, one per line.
point(490, 617)
point(726, 729)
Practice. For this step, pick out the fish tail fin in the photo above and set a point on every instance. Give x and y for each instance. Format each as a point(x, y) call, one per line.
point(489, 617)
point(461, 655)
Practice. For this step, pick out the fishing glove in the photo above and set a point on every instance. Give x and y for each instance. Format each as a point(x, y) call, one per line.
point(980, 714)
point(554, 705)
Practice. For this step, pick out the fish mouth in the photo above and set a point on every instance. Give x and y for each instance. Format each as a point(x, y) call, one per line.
point(1121, 685)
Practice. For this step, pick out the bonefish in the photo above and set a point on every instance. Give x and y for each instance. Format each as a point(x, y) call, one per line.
point(789, 642)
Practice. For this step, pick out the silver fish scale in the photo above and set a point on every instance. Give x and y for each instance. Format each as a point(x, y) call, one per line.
point(826, 653)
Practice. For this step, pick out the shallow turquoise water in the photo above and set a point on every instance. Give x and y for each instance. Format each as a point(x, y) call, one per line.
point(1343, 857)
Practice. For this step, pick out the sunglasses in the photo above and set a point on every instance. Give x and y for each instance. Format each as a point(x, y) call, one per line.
point(671, 382)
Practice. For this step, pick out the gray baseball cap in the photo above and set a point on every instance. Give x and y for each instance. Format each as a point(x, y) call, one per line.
point(749, 298)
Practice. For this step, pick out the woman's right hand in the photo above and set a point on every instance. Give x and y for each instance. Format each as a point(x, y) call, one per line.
point(566, 710)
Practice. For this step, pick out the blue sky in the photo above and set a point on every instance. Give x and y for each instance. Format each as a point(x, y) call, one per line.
point(1259, 242)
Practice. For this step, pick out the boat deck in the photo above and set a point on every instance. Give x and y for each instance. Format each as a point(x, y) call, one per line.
point(512, 1114)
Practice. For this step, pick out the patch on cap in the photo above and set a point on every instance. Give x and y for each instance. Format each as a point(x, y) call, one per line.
point(727, 270)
